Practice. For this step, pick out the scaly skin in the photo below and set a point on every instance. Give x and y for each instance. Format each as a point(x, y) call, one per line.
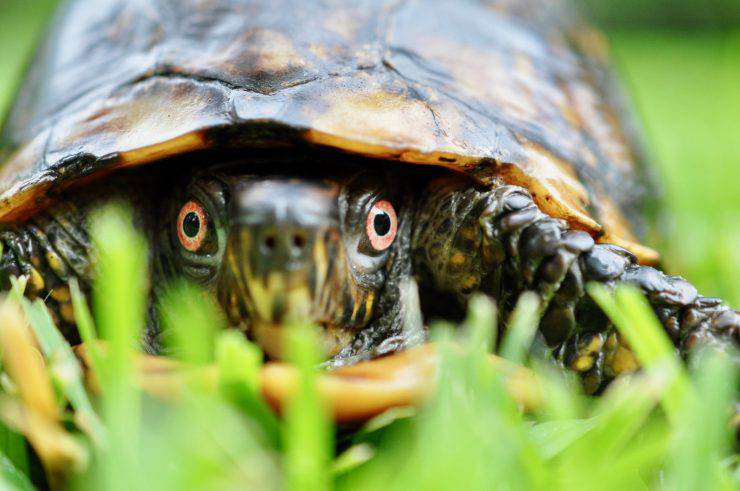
point(499, 242)
point(49, 249)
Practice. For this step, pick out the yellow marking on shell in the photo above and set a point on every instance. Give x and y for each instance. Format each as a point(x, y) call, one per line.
point(27, 193)
point(380, 123)
point(554, 185)
point(618, 231)
point(280, 54)
point(271, 54)
point(176, 146)
point(485, 75)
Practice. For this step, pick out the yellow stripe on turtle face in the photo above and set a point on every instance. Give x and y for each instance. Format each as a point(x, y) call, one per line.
point(321, 267)
point(369, 301)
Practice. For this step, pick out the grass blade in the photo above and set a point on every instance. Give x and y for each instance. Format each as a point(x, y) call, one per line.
point(13, 478)
point(522, 328)
point(65, 368)
point(239, 363)
point(631, 313)
point(307, 431)
point(698, 448)
point(190, 320)
point(119, 299)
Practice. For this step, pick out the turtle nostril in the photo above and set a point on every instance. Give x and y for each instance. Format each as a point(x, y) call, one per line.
point(269, 243)
point(299, 241)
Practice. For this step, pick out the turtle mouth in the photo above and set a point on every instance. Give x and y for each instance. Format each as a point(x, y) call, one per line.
point(271, 338)
point(283, 302)
point(320, 293)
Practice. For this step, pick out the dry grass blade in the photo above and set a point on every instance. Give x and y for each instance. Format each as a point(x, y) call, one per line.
point(35, 413)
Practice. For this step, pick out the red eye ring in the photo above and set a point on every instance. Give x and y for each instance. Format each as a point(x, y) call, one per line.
point(192, 223)
point(381, 225)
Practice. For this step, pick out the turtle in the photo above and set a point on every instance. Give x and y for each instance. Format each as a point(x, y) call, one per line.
point(355, 164)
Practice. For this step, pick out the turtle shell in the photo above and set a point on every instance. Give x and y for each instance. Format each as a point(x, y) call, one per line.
point(510, 89)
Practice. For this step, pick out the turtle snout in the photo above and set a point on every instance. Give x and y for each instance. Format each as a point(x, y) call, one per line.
point(280, 222)
point(276, 247)
point(283, 247)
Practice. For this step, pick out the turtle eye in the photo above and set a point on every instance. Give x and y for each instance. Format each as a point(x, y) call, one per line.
point(381, 225)
point(192, 223)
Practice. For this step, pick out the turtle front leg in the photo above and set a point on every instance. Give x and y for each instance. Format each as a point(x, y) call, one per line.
point(499, 242)
point(48, 250)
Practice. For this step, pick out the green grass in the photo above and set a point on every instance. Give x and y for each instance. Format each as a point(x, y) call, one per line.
point(21, 23)
point(685, 88)
point(665, 428)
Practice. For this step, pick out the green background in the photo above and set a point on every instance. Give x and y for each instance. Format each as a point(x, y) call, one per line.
point(680, 61)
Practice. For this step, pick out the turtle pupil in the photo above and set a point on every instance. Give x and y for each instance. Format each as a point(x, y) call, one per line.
point(382, 224)
point(191, 224)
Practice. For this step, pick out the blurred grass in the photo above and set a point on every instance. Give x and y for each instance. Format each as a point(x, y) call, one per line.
point(686, 88)
point(686, 14)
point(21, 23)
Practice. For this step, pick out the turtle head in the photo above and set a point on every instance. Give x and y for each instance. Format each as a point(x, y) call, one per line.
point(279, 249)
